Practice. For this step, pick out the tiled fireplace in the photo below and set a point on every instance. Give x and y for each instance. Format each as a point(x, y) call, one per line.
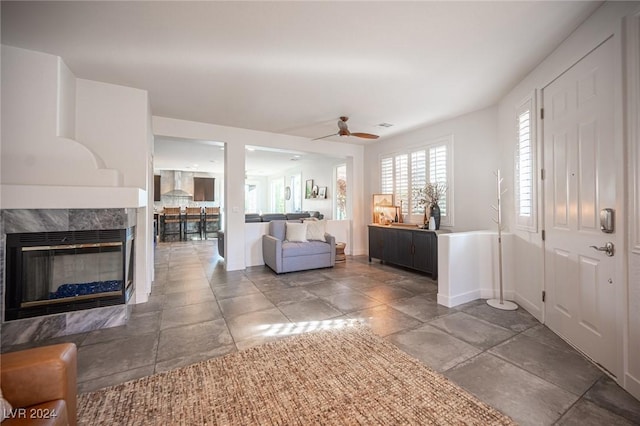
point(64, 271)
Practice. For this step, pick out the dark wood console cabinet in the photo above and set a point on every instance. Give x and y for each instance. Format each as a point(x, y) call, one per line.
point(409, 247)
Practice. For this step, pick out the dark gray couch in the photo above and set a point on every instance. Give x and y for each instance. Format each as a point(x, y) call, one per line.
point(285, 256)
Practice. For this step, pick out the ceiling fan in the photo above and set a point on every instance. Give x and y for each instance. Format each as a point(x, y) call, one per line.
point(344, 131)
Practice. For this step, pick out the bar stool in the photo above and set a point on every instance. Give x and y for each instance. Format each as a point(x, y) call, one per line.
point(170, 222)
point(211, 216)
point(193, 215)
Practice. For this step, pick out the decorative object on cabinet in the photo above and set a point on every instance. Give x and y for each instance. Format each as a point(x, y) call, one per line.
point(500, 303)
point(383, 207)
point(308, 189)
point(429, 197)
point(435, 214)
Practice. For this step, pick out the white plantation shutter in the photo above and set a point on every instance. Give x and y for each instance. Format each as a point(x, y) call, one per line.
point(524, 170)
point(402, 180)
point(524, 167)
point(418, 177)
point(402, 174)
point(386, 175)
point(438, 172)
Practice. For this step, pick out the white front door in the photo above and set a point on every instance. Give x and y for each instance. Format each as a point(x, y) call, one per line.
point(582, 167)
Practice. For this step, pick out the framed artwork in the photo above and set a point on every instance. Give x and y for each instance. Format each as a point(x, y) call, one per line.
point(314, 191)
point(322, 192)
point(383, 207)
point(308, 191)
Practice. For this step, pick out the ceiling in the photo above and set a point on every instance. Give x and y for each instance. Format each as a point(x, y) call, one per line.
point(295, 67)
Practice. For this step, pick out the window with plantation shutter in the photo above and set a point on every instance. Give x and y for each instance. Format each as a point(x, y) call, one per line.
point(524, 166)
point(404, 173)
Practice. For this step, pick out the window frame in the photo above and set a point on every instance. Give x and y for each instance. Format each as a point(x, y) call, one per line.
point(410, 215)
point(526, 222)
point(336, 205)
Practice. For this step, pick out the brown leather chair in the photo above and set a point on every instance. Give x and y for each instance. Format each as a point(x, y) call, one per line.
point(41, 385)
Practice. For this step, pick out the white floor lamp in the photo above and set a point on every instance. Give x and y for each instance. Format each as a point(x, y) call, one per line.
point(505, 305)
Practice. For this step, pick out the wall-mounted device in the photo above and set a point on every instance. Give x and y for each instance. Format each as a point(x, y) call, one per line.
point(607, 221)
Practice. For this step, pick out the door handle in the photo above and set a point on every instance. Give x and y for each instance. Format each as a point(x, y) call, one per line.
point(608, 248)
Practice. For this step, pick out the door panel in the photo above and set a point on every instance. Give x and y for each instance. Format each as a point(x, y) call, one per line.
point(580, 161)
point(560, 181)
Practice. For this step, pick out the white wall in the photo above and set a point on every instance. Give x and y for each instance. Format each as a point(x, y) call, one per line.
point(476, 154)
point(235, 140)
point(529, 256)
point(111, 121)
point(38, 114)
point(469, 267)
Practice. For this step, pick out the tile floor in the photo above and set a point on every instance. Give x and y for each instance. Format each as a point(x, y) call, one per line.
point(198, 311)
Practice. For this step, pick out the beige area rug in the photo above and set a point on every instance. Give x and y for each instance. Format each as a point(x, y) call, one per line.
point(337, 377)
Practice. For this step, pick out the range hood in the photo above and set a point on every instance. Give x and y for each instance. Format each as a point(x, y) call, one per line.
point(177, 191)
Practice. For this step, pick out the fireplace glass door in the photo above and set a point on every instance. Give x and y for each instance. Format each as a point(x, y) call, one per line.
point(55, 273)
point(70, 271)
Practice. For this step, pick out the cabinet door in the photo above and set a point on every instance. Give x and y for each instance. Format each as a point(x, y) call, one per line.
point(376, 240)
point(398, 247)
point(425, 248)
point(203, 189)
point(156, 188)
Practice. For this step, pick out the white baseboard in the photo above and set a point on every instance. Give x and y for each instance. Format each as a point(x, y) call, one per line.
point(530, 307)
point(632, 385)
point(489, 293)
point(458, 299)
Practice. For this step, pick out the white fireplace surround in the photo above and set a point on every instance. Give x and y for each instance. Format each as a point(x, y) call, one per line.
point(70, 197)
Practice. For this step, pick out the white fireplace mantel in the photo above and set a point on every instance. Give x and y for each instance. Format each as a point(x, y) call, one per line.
point(70, 197)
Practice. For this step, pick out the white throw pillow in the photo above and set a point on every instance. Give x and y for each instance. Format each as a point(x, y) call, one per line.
point(315, 229)
point(296, 232)
point(5, 407)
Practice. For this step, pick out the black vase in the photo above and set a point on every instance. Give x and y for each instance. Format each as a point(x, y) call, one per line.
point(435, 212)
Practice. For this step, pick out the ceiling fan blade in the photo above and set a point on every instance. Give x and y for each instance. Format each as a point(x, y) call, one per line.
point(323, 137)
point(364, 135)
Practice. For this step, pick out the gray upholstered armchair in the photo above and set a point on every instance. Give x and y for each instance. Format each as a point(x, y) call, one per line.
point(284, 255)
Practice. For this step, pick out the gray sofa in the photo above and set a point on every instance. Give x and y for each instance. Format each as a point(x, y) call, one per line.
point(286, 256)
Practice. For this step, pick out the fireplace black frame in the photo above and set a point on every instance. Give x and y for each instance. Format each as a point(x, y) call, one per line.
point(15, 245)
